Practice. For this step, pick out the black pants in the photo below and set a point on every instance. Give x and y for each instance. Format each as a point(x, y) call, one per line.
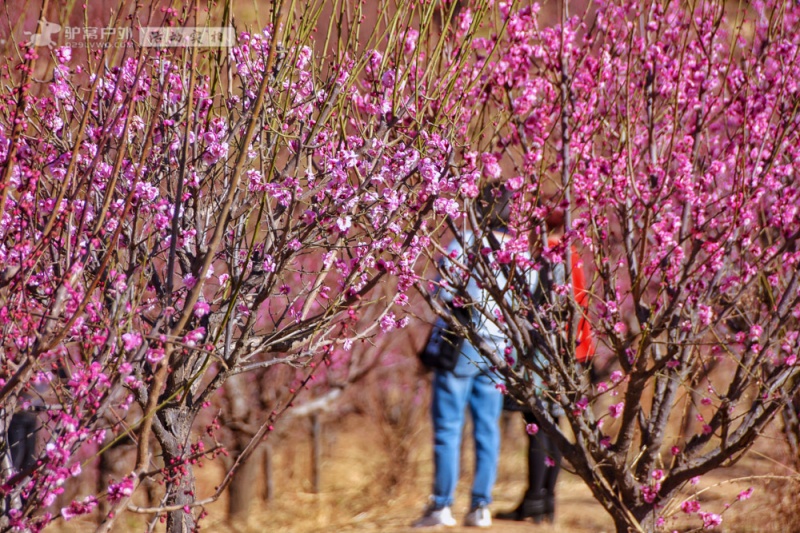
point(541, 451)
point(22, 440)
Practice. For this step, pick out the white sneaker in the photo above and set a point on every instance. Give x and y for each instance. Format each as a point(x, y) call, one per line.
point(479, 517)
point(434, 517)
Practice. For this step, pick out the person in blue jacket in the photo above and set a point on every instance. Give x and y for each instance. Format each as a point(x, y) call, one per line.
point(471, 384)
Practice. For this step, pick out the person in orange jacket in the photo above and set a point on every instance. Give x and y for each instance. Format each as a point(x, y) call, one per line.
point(544, 457)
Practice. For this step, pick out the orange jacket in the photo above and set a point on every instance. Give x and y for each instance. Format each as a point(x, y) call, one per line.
point(586, 346)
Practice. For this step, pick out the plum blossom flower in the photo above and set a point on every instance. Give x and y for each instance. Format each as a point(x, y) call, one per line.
point(117, 491)
point(190, 281)
point(491, 166)
point(690, 506)
point(410, 44)
point(469, 188)
point(710, 520)
point(154, 355)
point(650, 493)
point(582, 404)
point(131, 341)
point(515, 183)
point(548, 461)
point(63, 54)
point(194, 336)
point(616, 410)
point(745, 494)
point(532, 429)
point(388, 78)
point(344, 223)
point(705, 314)
point(446, 205)
point(78, 508)
point(215, 152)
point(201, 309)
point(755, 332)
point(388, 322)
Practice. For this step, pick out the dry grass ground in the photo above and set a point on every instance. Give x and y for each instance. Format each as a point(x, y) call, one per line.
point(366, 486)
point(357, 494)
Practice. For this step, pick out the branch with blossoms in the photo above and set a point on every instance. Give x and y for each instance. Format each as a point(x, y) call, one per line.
point(666, 138)
point(174, 217)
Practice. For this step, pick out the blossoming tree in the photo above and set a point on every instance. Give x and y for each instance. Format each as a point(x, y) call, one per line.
point(171, 218)
point(667, 134)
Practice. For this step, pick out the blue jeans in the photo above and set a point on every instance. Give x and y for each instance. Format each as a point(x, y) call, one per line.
point(467, 385)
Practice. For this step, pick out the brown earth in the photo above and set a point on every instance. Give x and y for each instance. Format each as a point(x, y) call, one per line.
point(362, 491)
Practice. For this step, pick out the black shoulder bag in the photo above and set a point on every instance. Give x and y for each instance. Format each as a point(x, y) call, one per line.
point(443, 347)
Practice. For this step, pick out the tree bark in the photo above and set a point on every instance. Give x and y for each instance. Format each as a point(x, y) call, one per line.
point(173, 434)
point(244, 485)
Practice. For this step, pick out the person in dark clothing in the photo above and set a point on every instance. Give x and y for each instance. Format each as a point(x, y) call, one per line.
point(544, 464)
point(544, 457)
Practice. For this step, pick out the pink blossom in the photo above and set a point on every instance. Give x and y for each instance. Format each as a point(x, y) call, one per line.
point(690, 506)
point(745, 494)
point(131, 341)
point(388, 78)
point(117, 491)
point(154, 355)
point(411, 41)
point(710, 520)
point(190, 281)
point(201, 309)
point(388, 322)
point(469, 189)
point(548, 461)
point(194, 336)
point(531, 429)
point(755, 332)
point(77, 508)
point(616, 410)
point(63, 54)
point(344, 223)
point(491, 167)
point(515, 183)
point(650, 493)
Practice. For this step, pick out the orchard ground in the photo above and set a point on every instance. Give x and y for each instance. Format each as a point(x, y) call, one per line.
point(357, 495)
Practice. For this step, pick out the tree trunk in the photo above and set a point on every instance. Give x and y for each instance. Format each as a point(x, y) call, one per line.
point(244, 485)
point(173, 434)
point(632, 520)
